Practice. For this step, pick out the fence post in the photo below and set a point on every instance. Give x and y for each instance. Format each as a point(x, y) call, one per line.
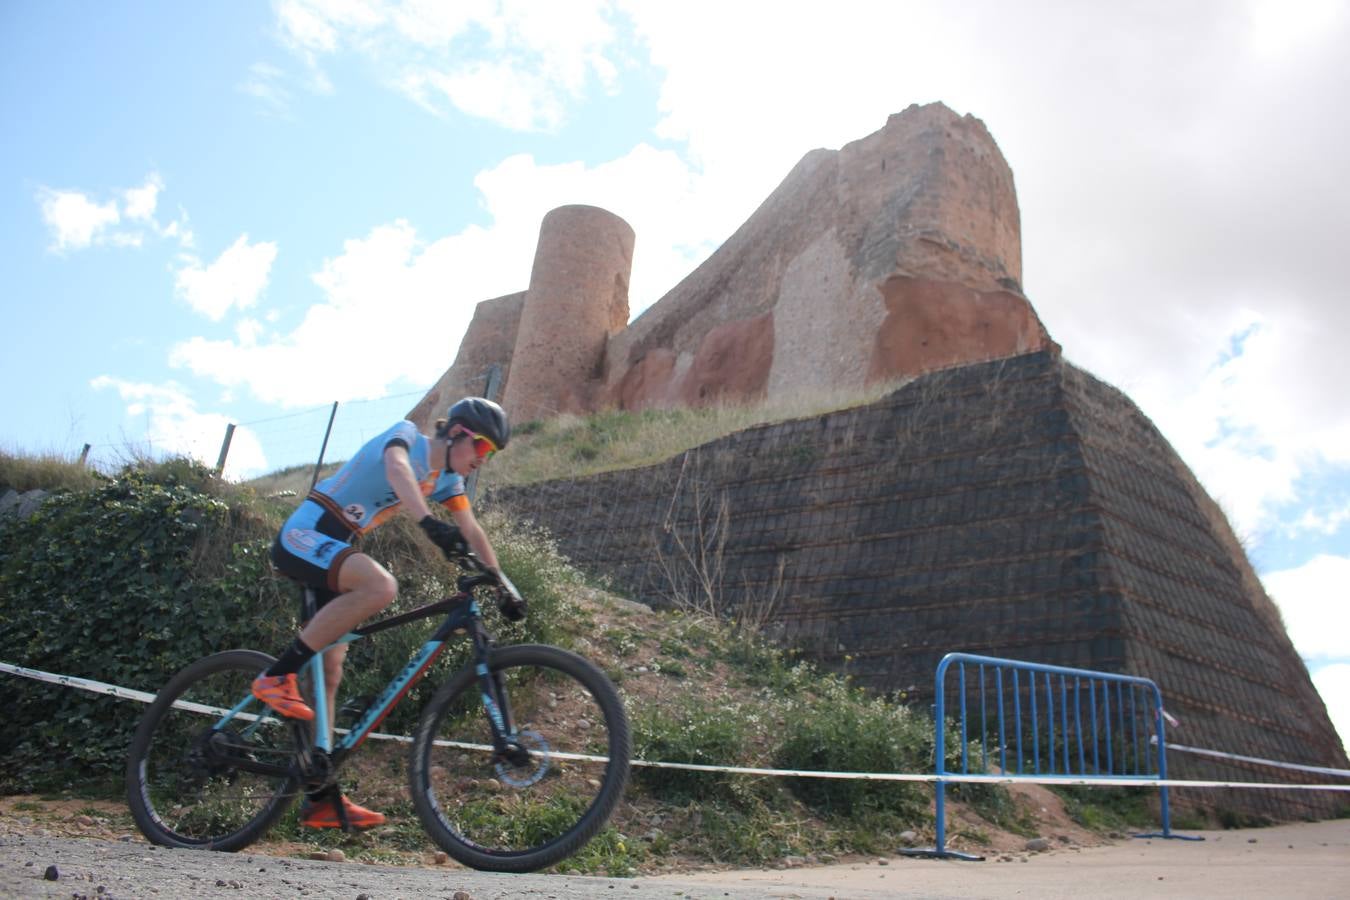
point(84, 454)
point(324, 449)
point(224, 448)
point(940, 850)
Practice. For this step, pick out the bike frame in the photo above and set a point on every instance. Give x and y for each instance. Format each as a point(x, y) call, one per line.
point(463, 618)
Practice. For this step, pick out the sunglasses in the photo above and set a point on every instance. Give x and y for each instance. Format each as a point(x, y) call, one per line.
point(482, 446)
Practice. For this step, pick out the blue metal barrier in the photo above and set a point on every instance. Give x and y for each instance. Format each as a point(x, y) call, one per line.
point(1078, 725)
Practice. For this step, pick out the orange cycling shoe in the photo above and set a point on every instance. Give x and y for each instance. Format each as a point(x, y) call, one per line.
point(323, 815)
point(282, 693)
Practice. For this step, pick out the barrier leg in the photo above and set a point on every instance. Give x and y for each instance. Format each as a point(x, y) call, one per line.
point(939, 850)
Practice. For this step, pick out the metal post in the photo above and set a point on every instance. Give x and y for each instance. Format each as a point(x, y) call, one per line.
point(939, 849)
point(494, 383)
point(324, 449)
point(225, 448)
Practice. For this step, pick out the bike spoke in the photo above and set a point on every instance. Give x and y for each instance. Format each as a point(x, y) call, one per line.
point(203, 777)
point(552, 782)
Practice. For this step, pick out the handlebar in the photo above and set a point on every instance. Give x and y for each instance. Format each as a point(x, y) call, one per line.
point(509, 600)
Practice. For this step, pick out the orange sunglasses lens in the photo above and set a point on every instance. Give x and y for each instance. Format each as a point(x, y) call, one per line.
point(483, 447)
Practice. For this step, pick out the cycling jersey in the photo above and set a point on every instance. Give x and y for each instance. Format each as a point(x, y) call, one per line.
point(356, 499)
point(360, 492)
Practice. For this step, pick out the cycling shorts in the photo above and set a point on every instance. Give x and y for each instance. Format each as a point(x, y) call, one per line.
point(312, 546)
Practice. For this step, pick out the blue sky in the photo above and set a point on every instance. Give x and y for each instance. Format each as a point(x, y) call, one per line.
point(242, 212)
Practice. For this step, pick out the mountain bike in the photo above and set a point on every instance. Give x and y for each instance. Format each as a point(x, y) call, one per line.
point(516, 762)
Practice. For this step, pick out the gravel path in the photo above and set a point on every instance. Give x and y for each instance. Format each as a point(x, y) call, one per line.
point(1307, 860)
point(115, 869)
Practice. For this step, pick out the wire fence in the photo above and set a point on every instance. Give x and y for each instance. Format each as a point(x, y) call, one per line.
point(334, 431)
point(244, 450)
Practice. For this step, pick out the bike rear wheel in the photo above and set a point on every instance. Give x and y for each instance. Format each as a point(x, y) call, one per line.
point(547, 798)
point(198, 777)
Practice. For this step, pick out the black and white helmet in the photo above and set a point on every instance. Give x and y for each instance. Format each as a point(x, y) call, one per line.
point(483, 417)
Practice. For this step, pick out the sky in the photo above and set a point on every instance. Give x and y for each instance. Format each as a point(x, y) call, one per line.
point(223, 212)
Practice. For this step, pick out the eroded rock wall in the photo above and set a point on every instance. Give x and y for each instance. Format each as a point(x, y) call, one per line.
point(489, 341)
point(897, 254)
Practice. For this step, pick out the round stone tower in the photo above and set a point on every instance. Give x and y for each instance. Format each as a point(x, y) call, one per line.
point(578, 297)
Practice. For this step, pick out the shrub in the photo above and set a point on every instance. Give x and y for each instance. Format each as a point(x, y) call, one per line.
point(135, 577)
point(844, 730)
point(690, 731)
point(124, 583)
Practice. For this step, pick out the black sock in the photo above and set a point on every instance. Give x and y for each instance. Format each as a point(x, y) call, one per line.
point(296, 655)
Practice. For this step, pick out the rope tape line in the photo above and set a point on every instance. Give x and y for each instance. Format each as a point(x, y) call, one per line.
point(98, 687)
point(1319, 770)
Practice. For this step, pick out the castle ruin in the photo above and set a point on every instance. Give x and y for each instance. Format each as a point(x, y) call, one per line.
point(898, 254)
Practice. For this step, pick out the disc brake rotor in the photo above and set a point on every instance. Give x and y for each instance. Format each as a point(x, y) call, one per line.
point(534, 768)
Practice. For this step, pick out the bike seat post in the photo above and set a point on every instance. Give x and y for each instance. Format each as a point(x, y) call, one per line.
point(322, 738)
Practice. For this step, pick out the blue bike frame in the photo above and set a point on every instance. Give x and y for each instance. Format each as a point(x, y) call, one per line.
point(463, 616)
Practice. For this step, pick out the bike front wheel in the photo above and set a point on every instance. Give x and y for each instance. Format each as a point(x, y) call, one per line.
point(210, 767)
point(558, 781)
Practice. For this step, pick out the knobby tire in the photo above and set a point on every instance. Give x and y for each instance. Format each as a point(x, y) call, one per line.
point(182, 795)
point(529, 813)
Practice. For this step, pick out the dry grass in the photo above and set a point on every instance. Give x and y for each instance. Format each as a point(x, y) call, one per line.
point(49, 471)
point(572, 446)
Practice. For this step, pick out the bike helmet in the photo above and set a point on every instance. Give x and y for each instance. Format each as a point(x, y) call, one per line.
point(483, 417)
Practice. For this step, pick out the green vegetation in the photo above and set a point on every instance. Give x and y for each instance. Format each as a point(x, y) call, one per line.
point(1110, 808)
point(125, 582)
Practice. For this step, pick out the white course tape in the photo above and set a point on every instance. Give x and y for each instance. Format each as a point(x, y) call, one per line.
point(98, 687)
point(1319, 770)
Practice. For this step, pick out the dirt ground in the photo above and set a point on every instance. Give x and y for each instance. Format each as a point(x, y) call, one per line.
point(1309, 860)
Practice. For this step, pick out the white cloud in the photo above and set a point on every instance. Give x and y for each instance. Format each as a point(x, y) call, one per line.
point(1312, 521)
point(1333, 683)
point(1279, 27)
point(496, 91)
point(513, 62)
point(267, 83)
point(75, 220)
point(141, 202)
point(173, 426)
point(393, 289)
point(394, 308)
point(234, 281)
point(1311, 599)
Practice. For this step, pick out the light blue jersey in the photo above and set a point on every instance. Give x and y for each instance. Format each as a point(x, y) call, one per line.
point(358, 497)
point(360, 491)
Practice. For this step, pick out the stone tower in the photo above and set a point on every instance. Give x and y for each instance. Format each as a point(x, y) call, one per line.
point(578, 297)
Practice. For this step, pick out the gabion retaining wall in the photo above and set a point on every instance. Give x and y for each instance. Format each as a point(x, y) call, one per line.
point(1018, 508)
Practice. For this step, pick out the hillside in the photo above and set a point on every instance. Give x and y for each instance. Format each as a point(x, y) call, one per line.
point(697, 689)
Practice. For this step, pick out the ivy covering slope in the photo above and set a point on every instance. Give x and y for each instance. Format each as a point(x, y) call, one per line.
point(124, 583)
point(130, 580)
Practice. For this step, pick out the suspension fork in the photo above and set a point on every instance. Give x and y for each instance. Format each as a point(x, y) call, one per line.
point(496, 704)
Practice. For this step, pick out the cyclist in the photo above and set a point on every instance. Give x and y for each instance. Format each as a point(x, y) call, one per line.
point(400, 469)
